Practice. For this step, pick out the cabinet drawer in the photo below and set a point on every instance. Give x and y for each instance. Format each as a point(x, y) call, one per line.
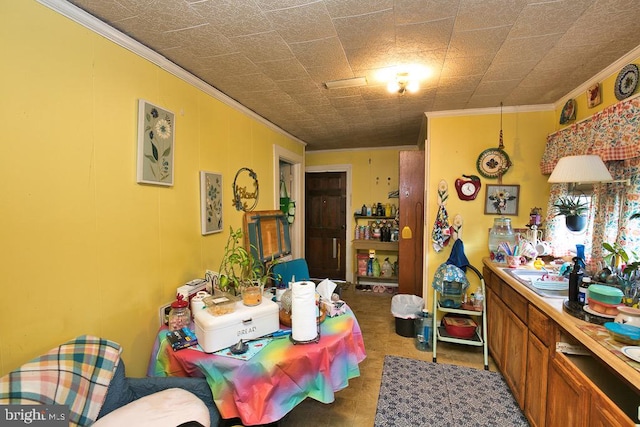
point(514, 301)
point(540, 325)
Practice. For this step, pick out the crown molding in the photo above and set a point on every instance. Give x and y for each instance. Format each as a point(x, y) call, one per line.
point(92, 23)
point(607, 72)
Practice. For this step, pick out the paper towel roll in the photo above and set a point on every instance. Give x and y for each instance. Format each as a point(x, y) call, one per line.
point(304, 326)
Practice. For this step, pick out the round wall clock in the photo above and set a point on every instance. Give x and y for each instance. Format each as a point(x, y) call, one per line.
point(493, 162)
point(626, 82)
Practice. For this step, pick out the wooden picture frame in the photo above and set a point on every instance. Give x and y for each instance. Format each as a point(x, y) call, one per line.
point(501, 199)
point(156, 132)
point(594, 95)
point(210, 202)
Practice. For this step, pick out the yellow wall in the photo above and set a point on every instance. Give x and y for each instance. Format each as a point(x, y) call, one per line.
point(85, 249)
point(453, 146)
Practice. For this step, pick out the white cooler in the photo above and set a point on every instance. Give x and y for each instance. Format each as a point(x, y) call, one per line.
point(217, 332)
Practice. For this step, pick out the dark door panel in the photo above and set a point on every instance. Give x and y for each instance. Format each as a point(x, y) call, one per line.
point(325, 219)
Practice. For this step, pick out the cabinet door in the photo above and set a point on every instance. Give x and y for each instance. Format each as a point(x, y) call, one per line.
point(516, 337)
point(495, 329)
point(567, 396)
point(411, 204)
point(536, 385)
point(605, 414)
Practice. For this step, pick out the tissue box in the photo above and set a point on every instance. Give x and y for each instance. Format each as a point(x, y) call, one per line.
point(334, 308)
point(217, 332)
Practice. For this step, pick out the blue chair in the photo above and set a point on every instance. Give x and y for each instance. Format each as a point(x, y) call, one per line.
point(286, 271)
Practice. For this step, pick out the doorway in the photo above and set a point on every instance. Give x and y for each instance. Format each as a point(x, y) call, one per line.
point(326, 224)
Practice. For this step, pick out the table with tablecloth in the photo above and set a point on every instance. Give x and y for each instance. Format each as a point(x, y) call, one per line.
point(266, 387)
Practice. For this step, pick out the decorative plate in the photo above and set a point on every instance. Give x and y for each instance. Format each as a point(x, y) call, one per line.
point(568, 112)
point(632, 352)
point(626, 82)
point(493, 162)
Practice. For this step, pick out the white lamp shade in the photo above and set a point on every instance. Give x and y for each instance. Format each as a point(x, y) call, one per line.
point(583, 169)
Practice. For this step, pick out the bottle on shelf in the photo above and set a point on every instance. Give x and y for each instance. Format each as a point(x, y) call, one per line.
point(376, 268)
point(387, 268)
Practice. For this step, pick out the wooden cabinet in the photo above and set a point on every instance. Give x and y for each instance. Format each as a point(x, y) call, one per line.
point(567, 395)
point(495, 315)
point(535, 406)
point(552, 388)
point(604, 414)
point(411, 205)
point(515, 355)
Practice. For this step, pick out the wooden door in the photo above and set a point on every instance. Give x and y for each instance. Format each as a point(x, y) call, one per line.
point(495, 327)
point(411, 215)
point(516, 336)
point(567, 395)
point(325, 224)
point(535, 404)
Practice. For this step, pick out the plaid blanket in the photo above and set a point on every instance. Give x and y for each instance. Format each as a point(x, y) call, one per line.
point(76, 374)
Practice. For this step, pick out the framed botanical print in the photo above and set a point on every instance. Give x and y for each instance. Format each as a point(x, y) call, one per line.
point(156, 133)
point(210, 202)
point(502, 199)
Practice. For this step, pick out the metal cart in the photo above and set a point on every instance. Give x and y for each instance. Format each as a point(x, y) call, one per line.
point(479, 339)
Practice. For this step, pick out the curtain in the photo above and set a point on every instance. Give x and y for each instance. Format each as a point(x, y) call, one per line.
point(614, 135)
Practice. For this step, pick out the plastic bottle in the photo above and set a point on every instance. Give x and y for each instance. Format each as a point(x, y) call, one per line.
point(583, 290)
point(575, 277)
point(376, 268)
point(387, 268)
point(478, 298)
point(370, 267)
point(423, 325)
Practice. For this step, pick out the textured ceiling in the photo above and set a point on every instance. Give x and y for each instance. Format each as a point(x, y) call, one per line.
point(273, 56)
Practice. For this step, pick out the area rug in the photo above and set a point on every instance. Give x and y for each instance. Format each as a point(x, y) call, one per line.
point(418, 393)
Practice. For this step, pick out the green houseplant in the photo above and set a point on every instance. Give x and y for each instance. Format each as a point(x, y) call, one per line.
point(574, 210)
point(240, 272)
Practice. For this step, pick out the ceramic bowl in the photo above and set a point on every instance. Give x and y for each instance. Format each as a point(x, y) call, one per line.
point(628, 316)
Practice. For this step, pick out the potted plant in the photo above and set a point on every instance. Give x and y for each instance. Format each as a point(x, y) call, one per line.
point(574, 210)
point(240, 272)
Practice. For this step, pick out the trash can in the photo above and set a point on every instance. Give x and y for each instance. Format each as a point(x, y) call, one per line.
point(406, 308)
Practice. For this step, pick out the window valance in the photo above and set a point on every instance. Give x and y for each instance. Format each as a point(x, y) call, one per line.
point(613, 134)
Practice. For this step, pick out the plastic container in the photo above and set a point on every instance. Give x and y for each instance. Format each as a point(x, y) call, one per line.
point(422, 326)
point(451, 295)
point(459, 327)
point(501, 232)
point(220, 304)
point(605, 294)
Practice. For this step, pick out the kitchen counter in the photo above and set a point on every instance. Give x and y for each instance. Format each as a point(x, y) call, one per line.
point(553, 308)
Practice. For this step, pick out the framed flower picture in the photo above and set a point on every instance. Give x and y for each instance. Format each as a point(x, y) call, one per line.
point(155, 144)
point(502, 199)
point(210, 202)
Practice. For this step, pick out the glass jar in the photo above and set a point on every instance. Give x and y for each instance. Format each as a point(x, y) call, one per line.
point(501, 233)
point(179, 316)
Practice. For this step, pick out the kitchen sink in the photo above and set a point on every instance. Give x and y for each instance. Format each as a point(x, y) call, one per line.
point(529, 278)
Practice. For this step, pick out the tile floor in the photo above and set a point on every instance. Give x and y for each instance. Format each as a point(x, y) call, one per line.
point(355, 406)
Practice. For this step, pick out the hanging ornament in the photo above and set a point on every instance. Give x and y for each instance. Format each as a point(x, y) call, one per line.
point(494, 162)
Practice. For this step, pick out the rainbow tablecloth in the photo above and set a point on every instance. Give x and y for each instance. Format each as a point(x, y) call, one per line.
point(266, 387)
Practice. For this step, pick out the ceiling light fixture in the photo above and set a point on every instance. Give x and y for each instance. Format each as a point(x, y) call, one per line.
point(344, 83)
point(403, 82)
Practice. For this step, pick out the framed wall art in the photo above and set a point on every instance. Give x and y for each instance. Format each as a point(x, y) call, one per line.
point(156, 131)
point(210, 202)
point(502, 199)
point(594, 96)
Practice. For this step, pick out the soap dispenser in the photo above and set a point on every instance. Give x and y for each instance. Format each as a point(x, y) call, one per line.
point(575, 277)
